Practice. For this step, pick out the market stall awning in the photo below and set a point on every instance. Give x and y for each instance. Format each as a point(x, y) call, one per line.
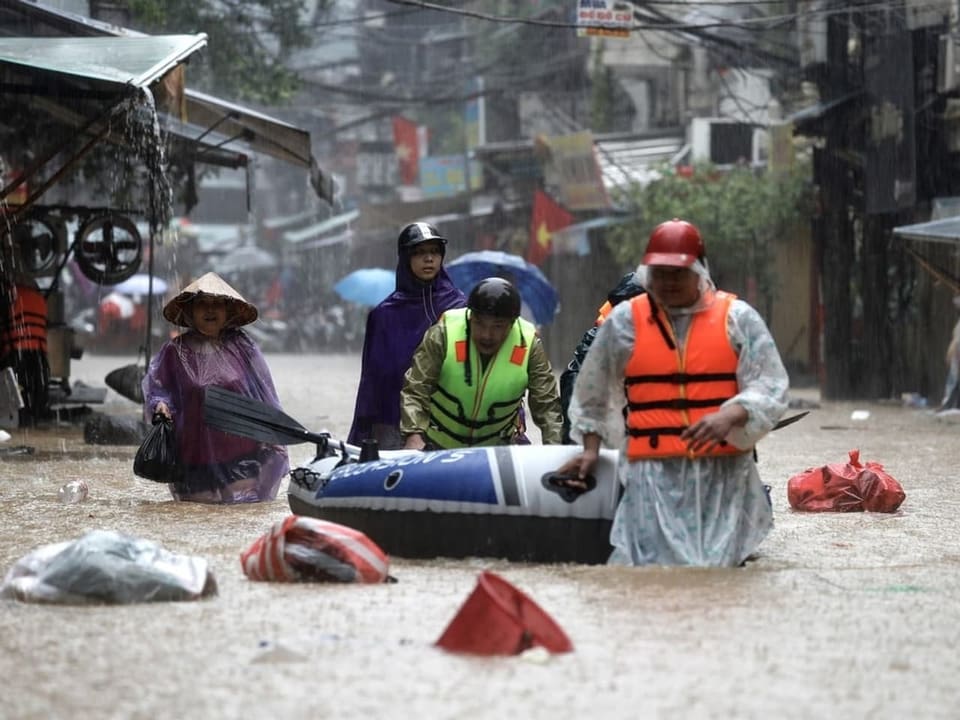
point(623, 159)
point(208, 152)
point(260, 132)
point(331, 231)
point(808, 120)
point(945, 230)
point(634, 161)
point(212, 121)
point(69, 78)
point(111, 60)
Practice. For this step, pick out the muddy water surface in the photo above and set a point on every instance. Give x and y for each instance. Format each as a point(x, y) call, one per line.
point(852, 615)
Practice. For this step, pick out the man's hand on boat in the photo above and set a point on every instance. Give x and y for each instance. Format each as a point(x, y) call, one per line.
point(415, 441)
point(581, 466)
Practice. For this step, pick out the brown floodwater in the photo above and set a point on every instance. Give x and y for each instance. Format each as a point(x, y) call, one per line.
point(842, 615)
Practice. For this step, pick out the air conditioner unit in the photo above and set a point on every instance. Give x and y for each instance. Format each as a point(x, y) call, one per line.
point(726, 142)
point(948, 70)
point(928, 13)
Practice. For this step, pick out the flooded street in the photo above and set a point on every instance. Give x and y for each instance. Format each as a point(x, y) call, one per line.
point(842, 615)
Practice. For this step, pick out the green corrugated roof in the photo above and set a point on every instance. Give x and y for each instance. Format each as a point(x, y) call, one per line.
point(117, 60)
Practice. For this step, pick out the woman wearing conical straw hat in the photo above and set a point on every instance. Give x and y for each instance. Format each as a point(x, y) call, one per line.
point(214, 350)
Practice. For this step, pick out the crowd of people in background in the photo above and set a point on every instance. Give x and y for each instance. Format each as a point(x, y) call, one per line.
point(115, 321)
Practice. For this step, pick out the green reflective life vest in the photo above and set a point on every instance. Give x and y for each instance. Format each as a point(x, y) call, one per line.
point(483, 412)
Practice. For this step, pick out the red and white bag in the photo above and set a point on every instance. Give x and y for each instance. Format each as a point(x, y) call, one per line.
point(845, 487)
point(305, 549)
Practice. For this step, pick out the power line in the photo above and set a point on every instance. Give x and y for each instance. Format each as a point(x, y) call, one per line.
point(360, 19)
point(529, 79)
point(754, 24)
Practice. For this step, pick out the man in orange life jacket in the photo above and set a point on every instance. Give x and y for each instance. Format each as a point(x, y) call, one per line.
point(469, 375)
point(23, 345)
point(704, 382)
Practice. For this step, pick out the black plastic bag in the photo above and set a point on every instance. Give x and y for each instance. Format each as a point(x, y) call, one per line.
point(156, 458)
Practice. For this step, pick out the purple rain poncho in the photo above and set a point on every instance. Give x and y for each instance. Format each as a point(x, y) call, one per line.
point(394, 329)
point(218, 467)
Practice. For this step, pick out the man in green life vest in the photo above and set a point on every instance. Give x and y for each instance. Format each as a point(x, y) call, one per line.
point(469, 376)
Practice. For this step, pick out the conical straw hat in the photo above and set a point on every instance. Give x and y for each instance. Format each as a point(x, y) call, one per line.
point(239, 311)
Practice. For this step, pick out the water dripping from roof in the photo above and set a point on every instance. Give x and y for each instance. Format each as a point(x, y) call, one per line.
point(142, 132)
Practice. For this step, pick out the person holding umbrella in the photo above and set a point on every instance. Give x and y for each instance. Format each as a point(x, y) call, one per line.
point(704, 383)
point(469, 376)
point(394, 329)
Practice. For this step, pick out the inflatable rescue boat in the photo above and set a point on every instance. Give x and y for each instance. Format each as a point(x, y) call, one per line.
point(505, 502)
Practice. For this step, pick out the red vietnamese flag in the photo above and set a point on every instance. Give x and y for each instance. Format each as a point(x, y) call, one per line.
point(407, 147)
point(547, 217)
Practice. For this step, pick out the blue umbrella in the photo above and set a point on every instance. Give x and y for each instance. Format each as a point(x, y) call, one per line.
point(367, 286)
point(535, 290)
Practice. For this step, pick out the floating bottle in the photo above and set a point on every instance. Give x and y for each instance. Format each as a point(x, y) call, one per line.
point(73, 492)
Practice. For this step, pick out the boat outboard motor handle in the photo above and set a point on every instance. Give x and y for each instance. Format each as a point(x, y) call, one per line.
point(568, 485)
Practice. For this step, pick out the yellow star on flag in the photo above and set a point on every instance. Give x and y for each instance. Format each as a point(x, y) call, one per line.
point(543, 234)
point(404, 152)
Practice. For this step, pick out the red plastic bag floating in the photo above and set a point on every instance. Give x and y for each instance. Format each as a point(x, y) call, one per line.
point(845, 487)
point(305, 549)
point(499, 619)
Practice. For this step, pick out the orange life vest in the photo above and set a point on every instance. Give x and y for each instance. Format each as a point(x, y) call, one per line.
point(667, 391)
point(603, 312)
point(26, 328)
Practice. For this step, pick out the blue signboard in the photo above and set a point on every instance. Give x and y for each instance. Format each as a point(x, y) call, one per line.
point(444, 175)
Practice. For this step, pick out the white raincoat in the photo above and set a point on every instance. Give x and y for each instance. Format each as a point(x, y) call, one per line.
point(708, 511)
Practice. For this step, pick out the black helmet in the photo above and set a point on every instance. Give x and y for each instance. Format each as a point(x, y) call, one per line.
point(496, 297)
point(417, 233)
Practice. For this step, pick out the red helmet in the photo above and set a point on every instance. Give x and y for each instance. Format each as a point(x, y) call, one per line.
point(675, 242)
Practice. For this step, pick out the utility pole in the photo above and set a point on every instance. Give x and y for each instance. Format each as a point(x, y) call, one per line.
point(889, 182)
point(833, 236)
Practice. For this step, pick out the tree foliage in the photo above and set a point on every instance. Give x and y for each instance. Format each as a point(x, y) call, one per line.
point(740, 212)
point(248, 43)
point(601, 101)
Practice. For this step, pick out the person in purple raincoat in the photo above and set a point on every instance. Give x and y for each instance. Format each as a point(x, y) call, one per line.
point(394, 329)
point(216, 467)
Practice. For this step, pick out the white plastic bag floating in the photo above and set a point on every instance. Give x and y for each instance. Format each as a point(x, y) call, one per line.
point(107, 567)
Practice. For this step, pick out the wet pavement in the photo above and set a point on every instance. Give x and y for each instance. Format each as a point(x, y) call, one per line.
point(842, 615)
